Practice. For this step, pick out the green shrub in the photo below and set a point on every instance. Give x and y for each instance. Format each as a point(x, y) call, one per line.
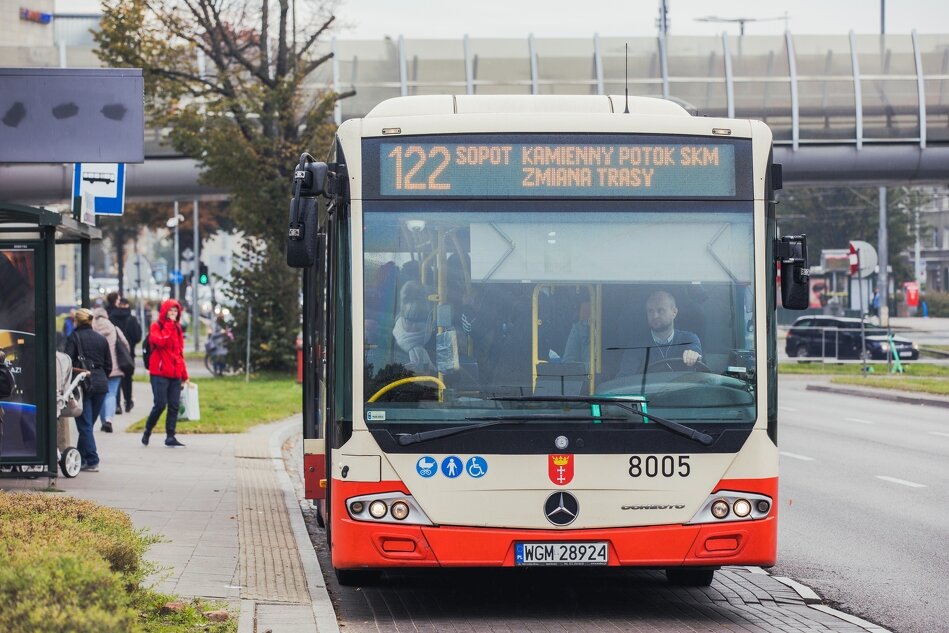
point(44, 590)
point(938, 304)
point(67, 565)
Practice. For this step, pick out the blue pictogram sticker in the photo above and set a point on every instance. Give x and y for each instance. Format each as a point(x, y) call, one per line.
point(451, 467)
point(426, 466)
point(477, 466)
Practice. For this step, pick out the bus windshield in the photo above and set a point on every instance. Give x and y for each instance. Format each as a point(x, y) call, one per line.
point(463, 306)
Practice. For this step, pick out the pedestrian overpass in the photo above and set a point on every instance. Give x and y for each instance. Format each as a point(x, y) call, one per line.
point(844, 109)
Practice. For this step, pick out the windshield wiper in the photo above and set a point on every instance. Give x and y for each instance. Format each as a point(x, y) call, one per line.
point(702, 438)
point(405, 439)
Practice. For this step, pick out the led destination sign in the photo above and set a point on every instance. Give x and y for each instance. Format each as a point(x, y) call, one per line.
point(633, 169)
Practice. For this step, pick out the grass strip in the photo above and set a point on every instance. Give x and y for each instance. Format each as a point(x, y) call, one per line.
point(935, 386)
point(854, 369)
point(231, 405)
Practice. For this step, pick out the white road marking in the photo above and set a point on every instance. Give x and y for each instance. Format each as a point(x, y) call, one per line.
point(803, 458)
point(902, 482)
point(780, 408)
point(939, 433)
point(859, 421)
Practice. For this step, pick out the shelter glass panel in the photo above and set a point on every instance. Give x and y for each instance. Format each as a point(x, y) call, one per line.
point(825, 88)
point(697, 74)
point(762, 81)
point(565, 66)
point(888, 86)
point(934, 52)
point(371, 68)
point(500, 66)
point(645, 74)
point(435, 66)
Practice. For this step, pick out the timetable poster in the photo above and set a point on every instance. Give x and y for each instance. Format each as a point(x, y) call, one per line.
point(18, 341)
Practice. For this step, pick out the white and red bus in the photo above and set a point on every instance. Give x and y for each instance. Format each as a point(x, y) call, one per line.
point(540, 331)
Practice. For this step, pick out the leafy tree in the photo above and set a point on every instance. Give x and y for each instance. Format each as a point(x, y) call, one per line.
point(226, 77)
point(832, 217)
point(153, 215)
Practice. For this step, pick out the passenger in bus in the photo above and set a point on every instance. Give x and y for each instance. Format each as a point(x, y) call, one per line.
point(665, 348)
point(413, 328)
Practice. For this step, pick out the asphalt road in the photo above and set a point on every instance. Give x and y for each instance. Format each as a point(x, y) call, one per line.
point(864, 514)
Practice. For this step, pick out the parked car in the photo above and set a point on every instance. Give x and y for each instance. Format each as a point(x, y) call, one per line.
point(839, 337)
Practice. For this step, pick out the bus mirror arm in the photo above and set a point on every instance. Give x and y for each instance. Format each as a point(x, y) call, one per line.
point(309, 181)
point(791, 252)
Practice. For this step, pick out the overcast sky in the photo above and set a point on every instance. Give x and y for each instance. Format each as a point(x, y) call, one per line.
point(374, 19)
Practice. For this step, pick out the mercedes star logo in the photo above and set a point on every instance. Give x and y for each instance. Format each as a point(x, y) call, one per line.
point(561, 508)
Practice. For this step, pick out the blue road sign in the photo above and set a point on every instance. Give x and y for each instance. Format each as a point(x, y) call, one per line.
point(105, 181)
point(175, 277)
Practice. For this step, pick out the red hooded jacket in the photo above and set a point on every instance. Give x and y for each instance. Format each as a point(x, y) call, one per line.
point(167, 345)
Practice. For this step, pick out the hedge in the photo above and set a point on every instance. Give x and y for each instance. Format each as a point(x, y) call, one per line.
point(67, 565)
point(937, 303)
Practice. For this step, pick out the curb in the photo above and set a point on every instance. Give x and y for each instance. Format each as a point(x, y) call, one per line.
point(323, 612)
point(867, 626)
point(879, 395)
point(813, 601)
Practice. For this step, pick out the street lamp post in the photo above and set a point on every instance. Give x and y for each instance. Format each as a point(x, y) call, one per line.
point(173, 223)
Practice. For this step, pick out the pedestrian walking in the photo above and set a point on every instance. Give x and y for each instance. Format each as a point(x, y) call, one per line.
point(167, 370)
point(90, 353)
point(115, 337)
point(124, 319)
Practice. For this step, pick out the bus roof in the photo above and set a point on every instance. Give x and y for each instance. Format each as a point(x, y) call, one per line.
point(552, 104)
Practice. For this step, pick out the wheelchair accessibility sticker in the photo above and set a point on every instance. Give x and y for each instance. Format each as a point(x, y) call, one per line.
point(477, 467)
point(426, 467)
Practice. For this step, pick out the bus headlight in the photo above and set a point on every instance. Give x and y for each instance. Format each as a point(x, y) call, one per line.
point(742, 508)
point(400, 510)
point(387, 507)
point(378, 509)
point(728, 505)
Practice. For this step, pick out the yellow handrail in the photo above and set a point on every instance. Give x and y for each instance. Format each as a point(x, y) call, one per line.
point(402, 381)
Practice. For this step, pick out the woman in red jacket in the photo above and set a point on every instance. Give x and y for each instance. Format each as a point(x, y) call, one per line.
point(166, 369)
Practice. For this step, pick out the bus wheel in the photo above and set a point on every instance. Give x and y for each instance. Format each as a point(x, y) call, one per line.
point(357, 577)
point(688, 577)
point(320, 519)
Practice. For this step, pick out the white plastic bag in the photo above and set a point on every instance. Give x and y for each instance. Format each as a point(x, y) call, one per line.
point(190, 408)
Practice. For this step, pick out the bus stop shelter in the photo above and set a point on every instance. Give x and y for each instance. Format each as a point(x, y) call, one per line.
point(28, 239)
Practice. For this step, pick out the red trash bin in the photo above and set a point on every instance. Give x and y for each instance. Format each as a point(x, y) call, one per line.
point(300, 358)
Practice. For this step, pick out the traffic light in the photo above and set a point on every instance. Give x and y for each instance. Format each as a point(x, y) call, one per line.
point(203, 274)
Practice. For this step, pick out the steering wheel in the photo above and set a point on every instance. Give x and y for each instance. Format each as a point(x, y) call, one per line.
point(404, 381)
point(677, 364)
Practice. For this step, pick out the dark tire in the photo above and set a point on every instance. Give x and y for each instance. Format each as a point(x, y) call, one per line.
point(320, 520)
point(70, 462)
point(688, 577)
point(357, 577)
point(801, 351)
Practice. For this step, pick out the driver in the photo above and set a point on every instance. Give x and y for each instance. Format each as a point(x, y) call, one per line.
point(665, 342)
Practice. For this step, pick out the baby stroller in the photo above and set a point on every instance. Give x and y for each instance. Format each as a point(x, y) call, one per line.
point(70, 461)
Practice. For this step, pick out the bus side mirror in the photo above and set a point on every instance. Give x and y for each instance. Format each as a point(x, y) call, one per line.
point(791, 252)
point(309, 181)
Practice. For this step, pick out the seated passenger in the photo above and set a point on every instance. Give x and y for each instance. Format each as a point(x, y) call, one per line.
point(666, 348)
point(413, 328)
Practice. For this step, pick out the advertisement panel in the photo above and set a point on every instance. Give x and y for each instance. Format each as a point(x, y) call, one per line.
point(18, 435)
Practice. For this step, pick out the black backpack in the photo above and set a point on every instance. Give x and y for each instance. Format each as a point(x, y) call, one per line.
point(147, 348)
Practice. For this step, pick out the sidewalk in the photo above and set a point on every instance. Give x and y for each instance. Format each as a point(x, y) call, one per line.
point(223, 503)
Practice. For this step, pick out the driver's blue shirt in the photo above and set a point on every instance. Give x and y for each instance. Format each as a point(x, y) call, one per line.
point(635, 361)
